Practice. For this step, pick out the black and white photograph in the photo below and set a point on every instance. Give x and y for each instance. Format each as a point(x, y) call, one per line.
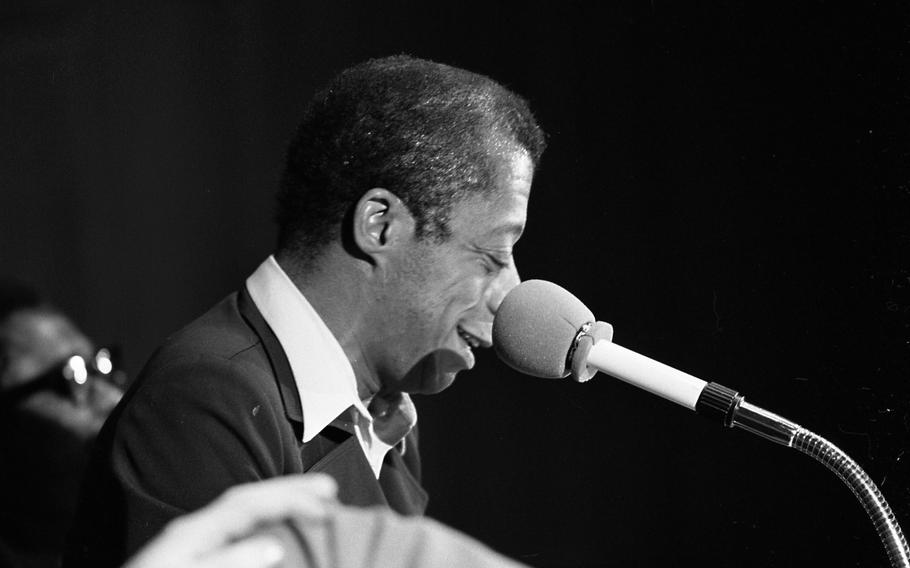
point(491, 284)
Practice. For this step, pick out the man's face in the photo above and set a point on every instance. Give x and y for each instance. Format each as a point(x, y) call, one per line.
point(441, 298)
point(39, 341)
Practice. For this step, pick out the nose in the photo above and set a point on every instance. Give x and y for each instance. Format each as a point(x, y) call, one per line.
point(507, 279)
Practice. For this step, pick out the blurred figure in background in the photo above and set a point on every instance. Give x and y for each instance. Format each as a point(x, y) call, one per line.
point(56, 389)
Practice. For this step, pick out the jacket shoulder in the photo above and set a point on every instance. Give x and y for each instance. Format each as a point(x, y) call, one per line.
point(221, 332)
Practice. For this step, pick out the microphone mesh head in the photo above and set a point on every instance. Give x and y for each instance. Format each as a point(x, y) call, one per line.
point(535, 326)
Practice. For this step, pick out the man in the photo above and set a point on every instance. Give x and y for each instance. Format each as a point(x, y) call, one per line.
point(405, 190)
point(55, 392)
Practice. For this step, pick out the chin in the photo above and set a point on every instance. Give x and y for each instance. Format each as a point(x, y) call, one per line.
point(437, 384)
point(433, 373)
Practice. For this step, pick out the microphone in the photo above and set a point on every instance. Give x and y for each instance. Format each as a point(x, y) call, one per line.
point(542, 330)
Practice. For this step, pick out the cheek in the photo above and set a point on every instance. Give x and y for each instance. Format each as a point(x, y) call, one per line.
point(443, 287)
point(464, 294)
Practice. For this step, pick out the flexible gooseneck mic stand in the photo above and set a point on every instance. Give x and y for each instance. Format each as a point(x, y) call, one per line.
point(719, 402)
point(542, 330)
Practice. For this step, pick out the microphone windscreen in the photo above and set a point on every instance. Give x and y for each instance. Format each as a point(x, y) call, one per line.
point(535, 327)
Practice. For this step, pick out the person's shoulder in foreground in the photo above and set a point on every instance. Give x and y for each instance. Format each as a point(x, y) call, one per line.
point(404, 192)
point(294, 522)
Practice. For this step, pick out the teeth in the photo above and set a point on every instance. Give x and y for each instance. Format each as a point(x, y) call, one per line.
point(469, 339)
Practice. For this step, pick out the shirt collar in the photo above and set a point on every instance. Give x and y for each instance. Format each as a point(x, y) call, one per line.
point(324, 377)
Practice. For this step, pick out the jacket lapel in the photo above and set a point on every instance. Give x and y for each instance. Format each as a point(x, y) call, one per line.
point(273, 350)
point(401, 488)
point(335, 450)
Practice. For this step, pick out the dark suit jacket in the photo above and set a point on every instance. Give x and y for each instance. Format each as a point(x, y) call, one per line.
point(214, 407)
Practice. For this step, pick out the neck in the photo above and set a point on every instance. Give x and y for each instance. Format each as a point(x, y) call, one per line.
point(337, 287)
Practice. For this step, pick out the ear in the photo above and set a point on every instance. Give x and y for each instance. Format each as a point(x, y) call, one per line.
point(381, 222)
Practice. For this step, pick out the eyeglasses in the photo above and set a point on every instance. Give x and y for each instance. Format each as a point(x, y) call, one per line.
point(76, 368)
point(74, 373)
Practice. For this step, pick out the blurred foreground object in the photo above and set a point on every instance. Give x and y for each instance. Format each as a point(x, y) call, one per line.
point(294, 521)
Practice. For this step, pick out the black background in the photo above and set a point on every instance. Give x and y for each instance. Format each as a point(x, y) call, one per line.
point(727, 185)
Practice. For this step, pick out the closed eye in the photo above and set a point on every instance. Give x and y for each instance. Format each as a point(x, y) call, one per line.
point(499, 262)
point(494, 264)
point(494, 260)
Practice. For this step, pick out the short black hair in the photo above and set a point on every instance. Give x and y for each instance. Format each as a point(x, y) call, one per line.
point(425, 131)
point(16, 296)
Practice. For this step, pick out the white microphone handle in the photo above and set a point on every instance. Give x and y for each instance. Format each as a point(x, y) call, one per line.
point(646, 373)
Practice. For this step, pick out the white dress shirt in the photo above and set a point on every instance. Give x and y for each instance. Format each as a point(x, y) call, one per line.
point(324, 377)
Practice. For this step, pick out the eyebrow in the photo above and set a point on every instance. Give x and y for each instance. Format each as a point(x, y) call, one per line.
point(515, 228)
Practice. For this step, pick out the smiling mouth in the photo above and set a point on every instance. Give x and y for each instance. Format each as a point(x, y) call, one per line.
point(473, 342)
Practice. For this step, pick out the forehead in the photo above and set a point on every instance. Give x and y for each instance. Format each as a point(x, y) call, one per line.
point(45, 335)
point(502, 211)
point(34, 340)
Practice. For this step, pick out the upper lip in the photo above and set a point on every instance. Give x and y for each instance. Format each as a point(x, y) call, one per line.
point(483, 337)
